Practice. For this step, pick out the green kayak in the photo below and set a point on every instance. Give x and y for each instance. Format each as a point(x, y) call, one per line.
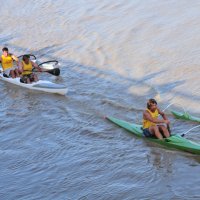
point(174, 141)
point(185, 116)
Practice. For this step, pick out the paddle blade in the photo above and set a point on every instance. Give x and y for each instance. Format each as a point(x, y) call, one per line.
point(55, 72)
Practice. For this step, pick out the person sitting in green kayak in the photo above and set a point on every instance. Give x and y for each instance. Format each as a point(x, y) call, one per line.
point(152, 126)
point(27, 66)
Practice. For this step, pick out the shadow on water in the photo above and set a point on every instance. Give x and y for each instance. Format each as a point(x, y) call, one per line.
point(93, 88)
point(152, 75)
point(105, 82)
point(4, 40)
point(99, 94)
point(165, 88)
point(81, 75)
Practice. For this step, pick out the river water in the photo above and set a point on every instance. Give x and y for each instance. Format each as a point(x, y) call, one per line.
point(114, 56)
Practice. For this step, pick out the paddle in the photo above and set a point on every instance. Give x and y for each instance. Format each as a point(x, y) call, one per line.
point(55, 71)
point(182, 135)
point(50, 61)
point(168, 128)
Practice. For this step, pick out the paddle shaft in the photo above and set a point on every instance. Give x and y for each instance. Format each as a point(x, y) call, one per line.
point(189, 130)
point(168, 128)
point(55, 71)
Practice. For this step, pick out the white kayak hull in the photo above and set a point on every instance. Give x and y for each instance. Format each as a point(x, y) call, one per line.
point(41, 85)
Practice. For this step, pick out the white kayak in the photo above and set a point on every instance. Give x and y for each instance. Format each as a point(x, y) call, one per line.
point(41, 85)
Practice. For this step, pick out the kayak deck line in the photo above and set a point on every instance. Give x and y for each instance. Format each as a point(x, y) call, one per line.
point(41, 85)
point(48, 85)
point(185, 116)
point(175, 141)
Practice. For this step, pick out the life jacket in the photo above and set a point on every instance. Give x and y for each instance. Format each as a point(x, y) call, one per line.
point(6, 62)
point(147, 123)
point(27, 68)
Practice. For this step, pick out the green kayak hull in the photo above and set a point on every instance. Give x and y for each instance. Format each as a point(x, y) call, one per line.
point(185, 116)
point(174, 141)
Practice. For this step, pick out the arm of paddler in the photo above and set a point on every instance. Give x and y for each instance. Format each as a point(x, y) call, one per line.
point(15, 58)
point(21, 66)
point(165, 118)
point(35, 65)
point(162, 114)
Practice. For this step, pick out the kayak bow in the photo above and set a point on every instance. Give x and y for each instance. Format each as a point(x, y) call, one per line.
point(185, 116)
point(174, 141)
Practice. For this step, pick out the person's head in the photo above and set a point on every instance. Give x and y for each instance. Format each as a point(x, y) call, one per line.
point(152, 104)
point(5, 51)
point(26, 58)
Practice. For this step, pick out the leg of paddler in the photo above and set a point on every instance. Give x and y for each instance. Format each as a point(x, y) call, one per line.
point(12, 73)
point(156, 132)
point(35, 77)
point(164, 130)
point(28, 81)
point(16, 73)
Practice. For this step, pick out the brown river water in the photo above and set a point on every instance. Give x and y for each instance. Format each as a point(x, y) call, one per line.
point(114, 55)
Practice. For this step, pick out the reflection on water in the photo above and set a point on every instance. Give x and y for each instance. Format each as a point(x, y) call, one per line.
point(114, 56)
